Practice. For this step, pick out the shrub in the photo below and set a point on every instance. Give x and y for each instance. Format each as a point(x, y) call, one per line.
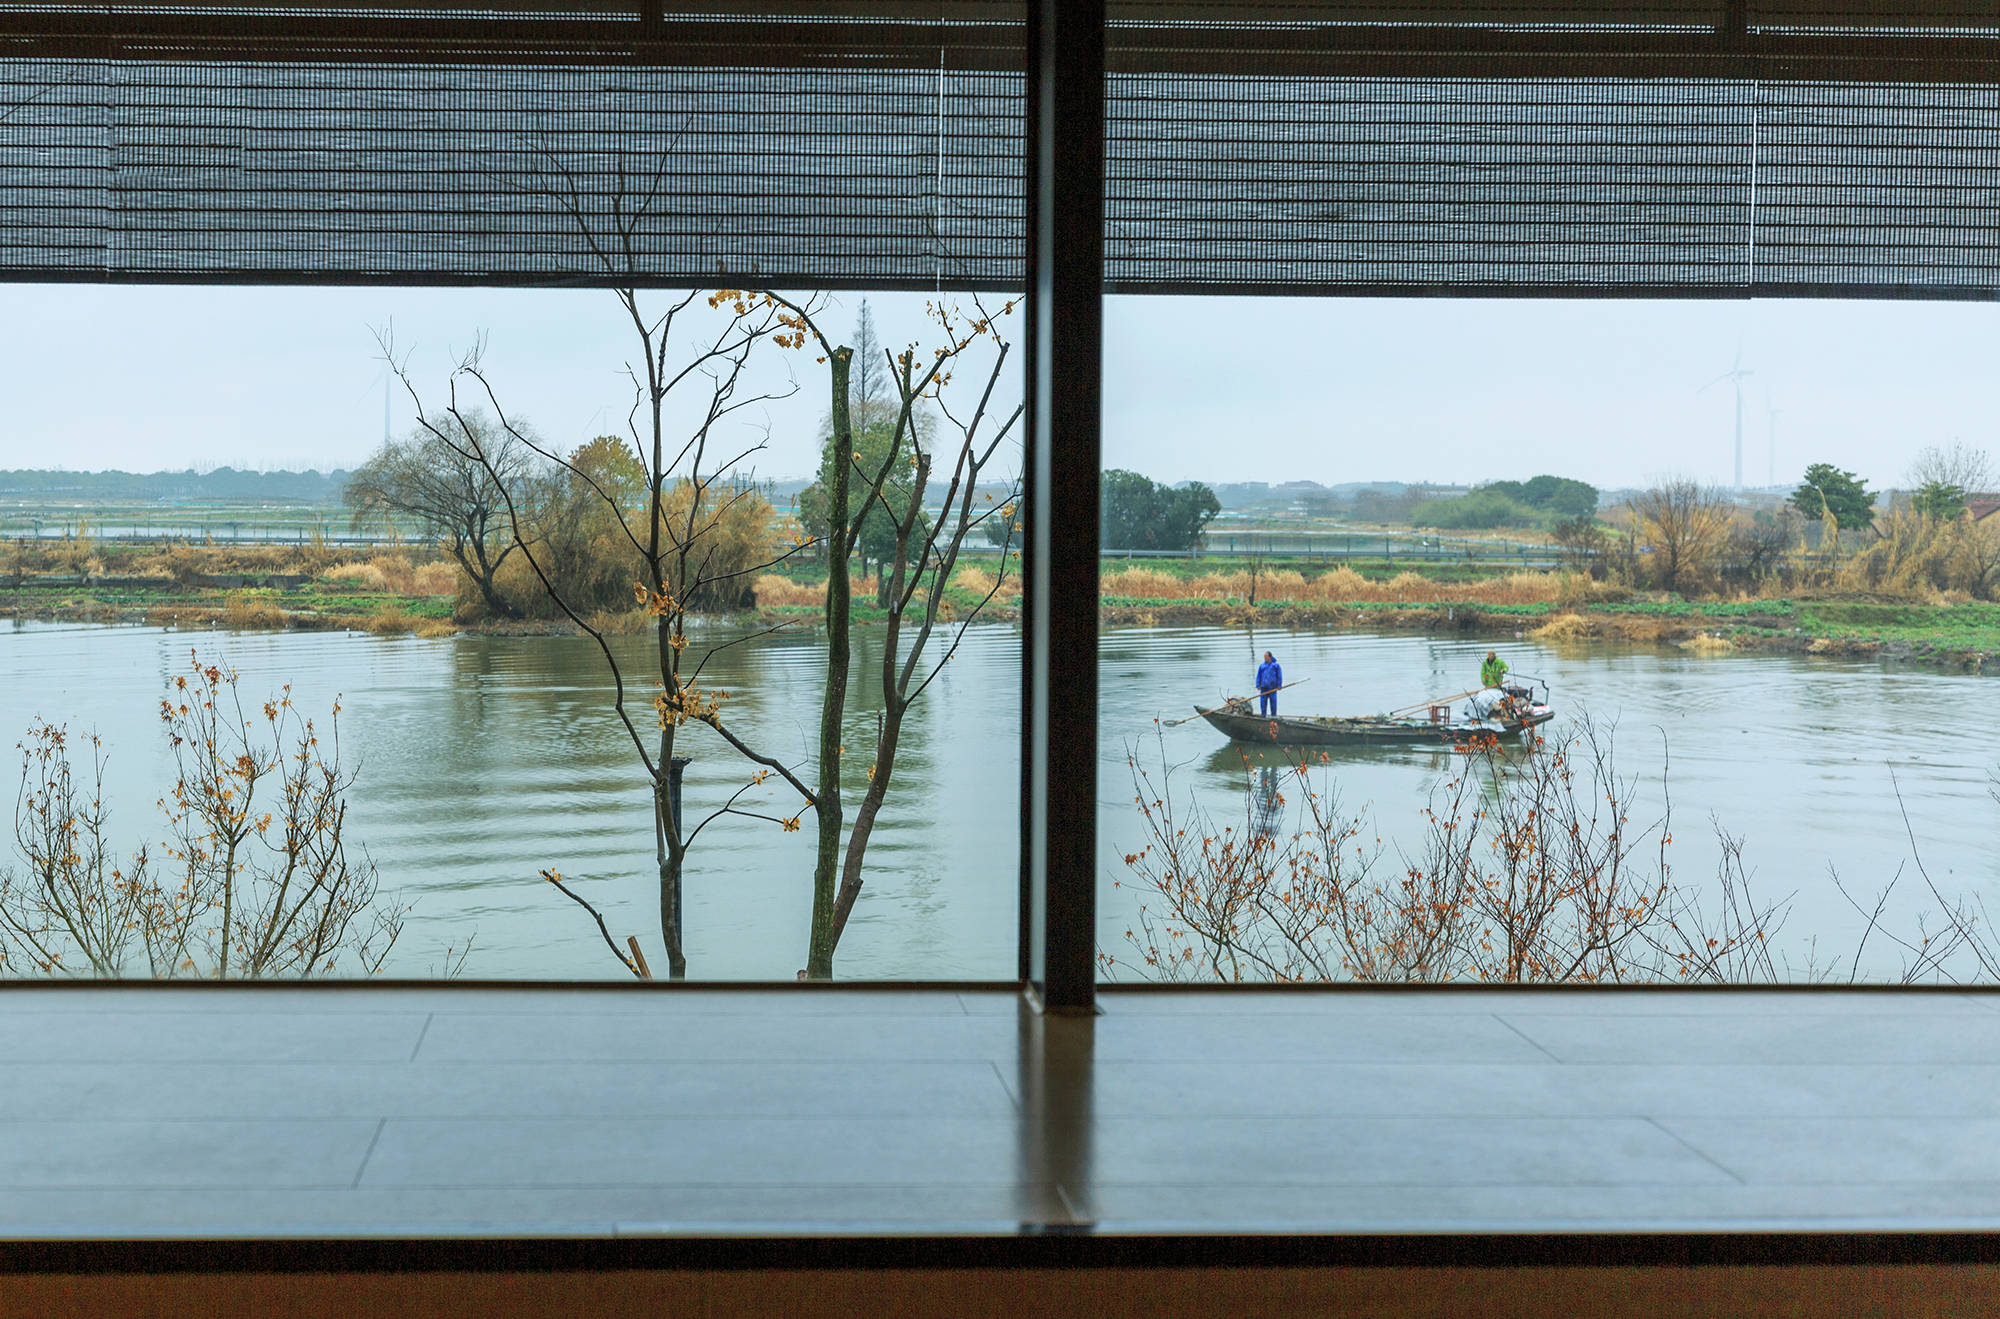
point(357, 576)
point(395, 572)
point(435, 579)
point(977, 581)
point(253, 879)
point(246, 613)
point(1527, 869)
point(1142, 583)
point(1342, 583)
point(1562, 628)
point(771, 590)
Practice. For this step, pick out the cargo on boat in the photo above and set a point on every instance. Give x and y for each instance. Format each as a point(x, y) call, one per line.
point(1494, 712)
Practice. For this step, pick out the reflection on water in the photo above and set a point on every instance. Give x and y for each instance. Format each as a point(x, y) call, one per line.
point(1267, 803)
point(484, 759)
point(1801, 757)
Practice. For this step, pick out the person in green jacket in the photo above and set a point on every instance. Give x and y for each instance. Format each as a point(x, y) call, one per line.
point(1492, 670)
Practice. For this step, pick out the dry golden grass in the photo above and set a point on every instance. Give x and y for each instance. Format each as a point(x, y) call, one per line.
point(1335, 586)
point(434, 579)
point(395, 570)
point(977, 580)
point(241, 613)
point(1342, 583)
point(356, 576)
point(1146, 583)
point(1282, 584)
point(1705, 643)
point(395, 622)
point(620, 623)
point(389, 622)
point(1575, 588)
point(178, 616)
point(1563, 628)
point(1643, 631)
point(772, 590)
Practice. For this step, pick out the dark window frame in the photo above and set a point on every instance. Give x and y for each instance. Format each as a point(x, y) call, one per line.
point(1073, 46)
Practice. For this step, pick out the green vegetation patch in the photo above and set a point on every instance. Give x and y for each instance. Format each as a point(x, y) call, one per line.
point(1957, 627)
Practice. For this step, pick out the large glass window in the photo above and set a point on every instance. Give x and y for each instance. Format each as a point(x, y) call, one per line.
point(1613, 635)
point(661, 611)
point(1625, 518)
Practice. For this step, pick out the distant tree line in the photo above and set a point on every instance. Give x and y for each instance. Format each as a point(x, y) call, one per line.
point(1141, 514)
point(1682, 536)
point(223, 483)
point(1536, 502)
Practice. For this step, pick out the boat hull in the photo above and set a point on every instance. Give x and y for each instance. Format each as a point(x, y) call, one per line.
point(1324, 731)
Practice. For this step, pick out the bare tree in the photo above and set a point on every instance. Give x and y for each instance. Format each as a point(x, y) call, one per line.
point(1582, 542)
point(694, 349)
point(254, 879)
point(861, 488)
point(675, 537)
point(1527, 869)
point(1687, 526)
point(1961, 465)
point(434, 477)
point(1758, 542)
point(926, 554)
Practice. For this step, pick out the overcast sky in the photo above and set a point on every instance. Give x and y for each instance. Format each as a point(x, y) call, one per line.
point(1216, 389)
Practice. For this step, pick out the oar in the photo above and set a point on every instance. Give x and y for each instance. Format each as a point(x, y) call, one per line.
point(1435, 700)
point(1234, 700)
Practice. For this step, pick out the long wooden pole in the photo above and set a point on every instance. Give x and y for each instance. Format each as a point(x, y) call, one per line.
point(1434, 700)
point(1234, 700)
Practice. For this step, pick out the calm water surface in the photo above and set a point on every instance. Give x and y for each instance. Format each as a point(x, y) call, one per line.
point(484, 759)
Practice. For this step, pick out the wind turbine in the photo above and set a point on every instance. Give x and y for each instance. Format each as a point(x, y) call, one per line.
point(1735, 376)
point(388, 376)
point(1771, 415)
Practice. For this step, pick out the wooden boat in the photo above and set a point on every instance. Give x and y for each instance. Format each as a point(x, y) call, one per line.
point(1442, 722)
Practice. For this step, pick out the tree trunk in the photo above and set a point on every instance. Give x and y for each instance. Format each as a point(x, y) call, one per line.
point(670, 855)
point(482, 574)
point(819, 951)
point(895, 702)
point(496, 606)
point(871, 806)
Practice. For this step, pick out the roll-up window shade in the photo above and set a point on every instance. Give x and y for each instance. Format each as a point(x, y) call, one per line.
point(1563, 146)
point(1543, 146)
point(1610, 15)
point(1929, 16)
point(723, 144)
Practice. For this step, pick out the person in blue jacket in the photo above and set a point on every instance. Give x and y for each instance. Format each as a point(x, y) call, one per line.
point(1269, 678)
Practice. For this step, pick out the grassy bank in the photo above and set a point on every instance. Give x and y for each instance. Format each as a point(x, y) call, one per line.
point(1961, 636)
point(264, 587)
point(418, 591)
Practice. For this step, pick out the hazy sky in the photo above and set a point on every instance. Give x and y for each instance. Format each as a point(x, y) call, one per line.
point(1217, 389)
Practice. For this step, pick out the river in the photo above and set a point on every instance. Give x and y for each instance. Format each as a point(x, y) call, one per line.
point(483, 759)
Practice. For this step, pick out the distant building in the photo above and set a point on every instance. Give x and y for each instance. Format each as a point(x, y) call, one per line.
point(1982, 506)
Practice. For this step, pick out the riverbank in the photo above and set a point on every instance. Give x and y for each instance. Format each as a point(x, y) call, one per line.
point(307, 607)
point(1963, 636)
